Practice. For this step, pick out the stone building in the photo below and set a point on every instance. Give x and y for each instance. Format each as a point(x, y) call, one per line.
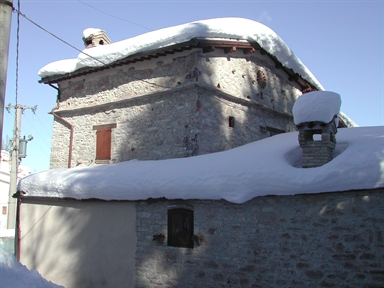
point(250, 216)
point(196, 92)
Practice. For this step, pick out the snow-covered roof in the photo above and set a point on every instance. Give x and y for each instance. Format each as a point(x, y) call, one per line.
point(266, 167)
point(319, 106)
point(228, 28)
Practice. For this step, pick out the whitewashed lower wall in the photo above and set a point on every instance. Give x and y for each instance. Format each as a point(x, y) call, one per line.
point(80, 243)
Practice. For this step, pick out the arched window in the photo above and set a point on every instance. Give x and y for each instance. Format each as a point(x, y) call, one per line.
point(180, 227)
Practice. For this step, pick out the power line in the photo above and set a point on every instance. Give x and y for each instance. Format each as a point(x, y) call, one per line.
point(98, 60)
point(17, 53)
point(38, 118)
point(57, 37)
point(37, 130)
point(122, 19)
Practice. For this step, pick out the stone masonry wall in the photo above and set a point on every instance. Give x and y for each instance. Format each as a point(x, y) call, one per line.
point(235, 72)
point(320, 240)
point(188, 118)
point(188, 122)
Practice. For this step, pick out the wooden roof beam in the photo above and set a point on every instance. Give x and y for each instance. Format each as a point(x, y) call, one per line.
point(249, 50)
point(307, 89)
point(228, 50)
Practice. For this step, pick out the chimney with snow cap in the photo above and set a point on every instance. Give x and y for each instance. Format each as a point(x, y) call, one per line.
point(93, 37)
point(316, 113)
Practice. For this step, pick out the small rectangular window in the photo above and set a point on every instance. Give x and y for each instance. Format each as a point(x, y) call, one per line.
point(231, 121)
point(180, 228)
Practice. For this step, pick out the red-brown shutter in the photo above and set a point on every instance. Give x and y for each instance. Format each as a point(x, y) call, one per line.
point(103, 144)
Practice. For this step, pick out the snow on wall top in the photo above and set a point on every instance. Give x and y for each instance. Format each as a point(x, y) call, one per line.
point(316, 106)
point(264, 167)
point(230, 28)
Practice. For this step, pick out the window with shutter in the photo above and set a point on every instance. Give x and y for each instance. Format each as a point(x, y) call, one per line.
point(103, 142)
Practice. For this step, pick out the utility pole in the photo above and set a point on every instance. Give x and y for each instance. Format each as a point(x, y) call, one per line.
point(6, 7)
point(15, 150)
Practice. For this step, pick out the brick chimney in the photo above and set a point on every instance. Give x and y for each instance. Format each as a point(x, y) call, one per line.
point(319, 152)
point(316, 113)
point(93, 37)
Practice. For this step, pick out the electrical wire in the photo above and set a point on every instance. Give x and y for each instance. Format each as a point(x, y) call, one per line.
point(42, 124)
point(37, 130)
point(98, 60)
point(17, 54)
point(122, 19)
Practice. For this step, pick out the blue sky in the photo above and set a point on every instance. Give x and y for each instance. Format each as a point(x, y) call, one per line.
point(341, 42)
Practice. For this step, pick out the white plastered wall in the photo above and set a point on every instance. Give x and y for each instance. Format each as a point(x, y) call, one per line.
point(80, 243)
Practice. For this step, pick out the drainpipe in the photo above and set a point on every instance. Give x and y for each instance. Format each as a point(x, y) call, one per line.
point(65, 122)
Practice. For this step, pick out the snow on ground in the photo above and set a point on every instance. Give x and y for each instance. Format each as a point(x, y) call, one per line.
point(265, 167)
point(13, 274)
point(230, 28)
point(316, 106)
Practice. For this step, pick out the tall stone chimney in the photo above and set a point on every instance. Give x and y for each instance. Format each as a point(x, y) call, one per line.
point(93, 37)
point(316, 113)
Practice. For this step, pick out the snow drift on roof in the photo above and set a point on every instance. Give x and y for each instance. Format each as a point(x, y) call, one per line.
point(230, 28)
point(264, 167)
point(319, 106)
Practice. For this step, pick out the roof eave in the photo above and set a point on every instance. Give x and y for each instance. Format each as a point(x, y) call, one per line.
point(207, 44)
